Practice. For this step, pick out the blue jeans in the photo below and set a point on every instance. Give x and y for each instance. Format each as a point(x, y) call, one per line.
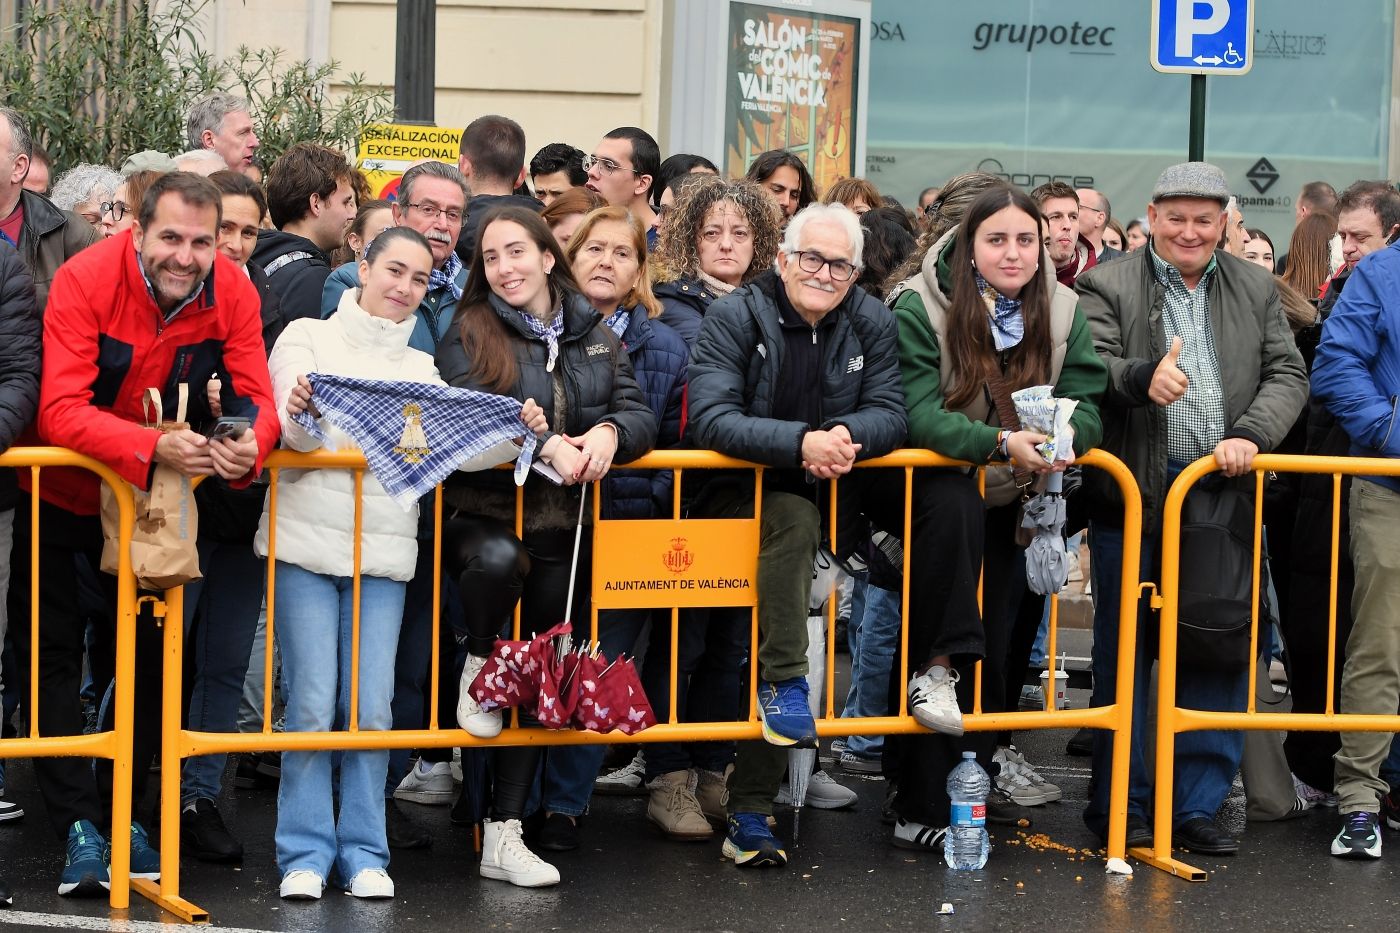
point(413, 665)
point(874, 636)
point(314, 620)
point(1206, 761)
point(227, 601)
point(569, 770)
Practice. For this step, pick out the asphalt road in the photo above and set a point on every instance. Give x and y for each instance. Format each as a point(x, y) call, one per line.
point(842, 873)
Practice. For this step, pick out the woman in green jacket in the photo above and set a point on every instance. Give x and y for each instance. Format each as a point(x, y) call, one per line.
point(983, 317)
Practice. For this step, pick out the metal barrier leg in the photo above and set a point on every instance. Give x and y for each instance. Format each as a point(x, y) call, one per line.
point(124, 716)
point(166, 893)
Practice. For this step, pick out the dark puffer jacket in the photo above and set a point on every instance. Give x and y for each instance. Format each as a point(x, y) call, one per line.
point(684, 303)
point(738, 359)
point(594, 382)
point(659, 357)
point(21, 342)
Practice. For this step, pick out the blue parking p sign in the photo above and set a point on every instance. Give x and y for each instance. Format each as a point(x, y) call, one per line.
point(1213, 37)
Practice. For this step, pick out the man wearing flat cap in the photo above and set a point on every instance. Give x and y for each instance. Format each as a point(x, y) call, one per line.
point(1201, 362)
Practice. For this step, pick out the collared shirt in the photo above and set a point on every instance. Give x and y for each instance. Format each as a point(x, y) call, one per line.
point(150, 289)
point(1196, 421)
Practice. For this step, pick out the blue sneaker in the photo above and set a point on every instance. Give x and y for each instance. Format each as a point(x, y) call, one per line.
point(145, 861)
point(786, 713)
point(750, 843)
point(85, 872)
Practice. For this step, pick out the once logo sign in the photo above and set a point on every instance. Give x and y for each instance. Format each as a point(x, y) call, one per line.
point(1262, 175)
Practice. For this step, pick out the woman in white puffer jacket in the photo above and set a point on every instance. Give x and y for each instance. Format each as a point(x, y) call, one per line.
point(366, 338)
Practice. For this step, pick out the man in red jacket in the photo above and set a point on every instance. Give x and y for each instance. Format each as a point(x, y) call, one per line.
point(155, 307)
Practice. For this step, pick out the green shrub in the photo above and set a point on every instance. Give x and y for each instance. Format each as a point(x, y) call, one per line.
point(99, 82)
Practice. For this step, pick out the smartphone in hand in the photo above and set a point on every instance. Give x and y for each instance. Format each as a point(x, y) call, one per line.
point(231, 428)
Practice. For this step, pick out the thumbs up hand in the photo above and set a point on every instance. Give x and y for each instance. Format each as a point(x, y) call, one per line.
point(1169, 383)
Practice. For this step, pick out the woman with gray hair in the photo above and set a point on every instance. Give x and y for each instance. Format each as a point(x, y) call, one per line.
point(719, 235)
point(86, 190)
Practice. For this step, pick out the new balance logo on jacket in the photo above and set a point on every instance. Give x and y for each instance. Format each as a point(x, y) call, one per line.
point(855, 364)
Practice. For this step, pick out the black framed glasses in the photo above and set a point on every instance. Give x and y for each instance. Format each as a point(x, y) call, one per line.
point(808, 261)
point(117, 209)
point(431, 211)
point(607, 166)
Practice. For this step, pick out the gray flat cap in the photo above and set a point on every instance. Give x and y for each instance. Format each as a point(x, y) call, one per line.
point(1192, 180)
point(148, 160)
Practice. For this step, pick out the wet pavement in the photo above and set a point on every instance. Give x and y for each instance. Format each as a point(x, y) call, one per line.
point(842, 871)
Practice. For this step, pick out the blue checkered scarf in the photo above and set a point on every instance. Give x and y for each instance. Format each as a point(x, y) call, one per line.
point(453, 425)
point(446, 277)
point(548, 332)
point(1008, 323)
point(617, 321)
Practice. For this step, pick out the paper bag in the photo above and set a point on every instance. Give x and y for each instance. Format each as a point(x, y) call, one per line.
point(164, 536)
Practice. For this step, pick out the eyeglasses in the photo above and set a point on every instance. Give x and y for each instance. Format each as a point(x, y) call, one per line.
point(841, 270)
point(117, 209)
point(607, 166)
point(431, 211)
point(1085, 207)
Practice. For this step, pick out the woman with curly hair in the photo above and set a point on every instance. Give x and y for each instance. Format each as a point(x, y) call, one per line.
point(720, 235)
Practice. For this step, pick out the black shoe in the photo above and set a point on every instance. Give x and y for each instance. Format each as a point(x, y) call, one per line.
point(558, 833)
point(402, 832)
point(270, 765)
point(1139, 832)
point(204, 835)
point(7, 897)
point(1390, 809)
point(1202, 835)
point(1081, 744)
point(1003, 811)
point(248, 774)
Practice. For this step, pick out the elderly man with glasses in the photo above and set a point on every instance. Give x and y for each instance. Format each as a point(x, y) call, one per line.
point(799, 371)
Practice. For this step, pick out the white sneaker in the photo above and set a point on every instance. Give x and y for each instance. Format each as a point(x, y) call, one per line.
point(431, 785)
point(372, 883)
point(505, 857)
point(823, 792)
point(470, 715)
point(302, 884)
point(1017, 761)
point(456, 766)
point(625, 781)
point(1015, 784)
point(934, 703)
point(924, 838)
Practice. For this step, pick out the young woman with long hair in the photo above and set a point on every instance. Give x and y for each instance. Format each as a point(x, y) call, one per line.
point(982, 317)
point(524, 329)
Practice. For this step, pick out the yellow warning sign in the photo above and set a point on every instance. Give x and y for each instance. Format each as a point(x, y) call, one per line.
point(388, 149)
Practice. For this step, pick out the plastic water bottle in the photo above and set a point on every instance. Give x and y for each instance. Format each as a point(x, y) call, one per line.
point(966, 846)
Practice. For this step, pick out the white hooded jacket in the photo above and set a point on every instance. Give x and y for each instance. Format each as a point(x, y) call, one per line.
point(316, 508)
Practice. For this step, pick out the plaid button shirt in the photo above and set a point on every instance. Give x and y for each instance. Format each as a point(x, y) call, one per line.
point(1196, 421)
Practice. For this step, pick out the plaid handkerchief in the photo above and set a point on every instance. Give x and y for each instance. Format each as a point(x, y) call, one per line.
point(414, 434)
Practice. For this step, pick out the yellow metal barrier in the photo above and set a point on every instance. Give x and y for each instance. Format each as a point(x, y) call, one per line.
point(179, 743)
point(116, 744)
point(1173, 719)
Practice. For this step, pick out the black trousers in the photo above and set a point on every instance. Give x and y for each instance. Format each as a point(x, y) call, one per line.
point(494, 570)
point(70, 789)
point(961, 540)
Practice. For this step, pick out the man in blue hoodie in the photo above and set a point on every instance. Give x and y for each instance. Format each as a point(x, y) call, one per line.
point(1356, 374)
